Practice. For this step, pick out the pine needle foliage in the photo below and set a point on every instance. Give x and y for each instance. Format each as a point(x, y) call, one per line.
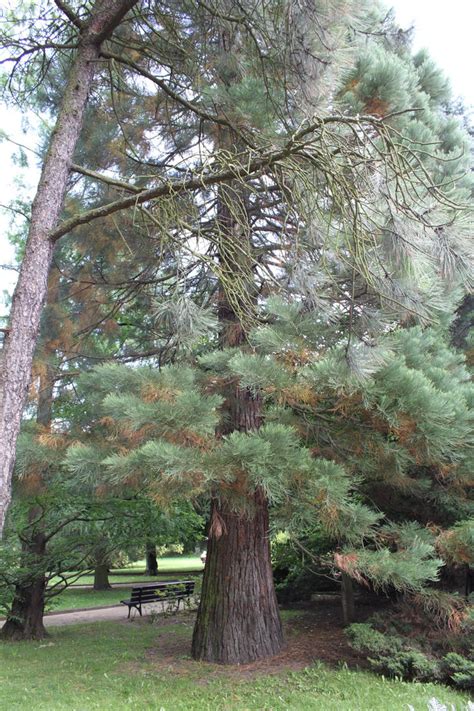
point(371, 459)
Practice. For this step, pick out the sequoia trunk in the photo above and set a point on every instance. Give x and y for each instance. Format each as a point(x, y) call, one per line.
point(238, 618)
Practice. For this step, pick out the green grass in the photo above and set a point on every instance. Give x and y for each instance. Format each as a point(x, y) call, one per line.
point(170, 564)
point(135, 571)
point(113, 666)
point(77, 599)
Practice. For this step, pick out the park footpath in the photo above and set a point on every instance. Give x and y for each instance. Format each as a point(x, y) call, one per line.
point(96, 614)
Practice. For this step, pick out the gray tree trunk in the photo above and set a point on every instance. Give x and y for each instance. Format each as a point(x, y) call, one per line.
point(151, 559)
point(347, 599)
point(101, 577)
point(31, 289)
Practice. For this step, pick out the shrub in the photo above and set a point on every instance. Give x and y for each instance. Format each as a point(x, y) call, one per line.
point(459, 669)
point(392, 656)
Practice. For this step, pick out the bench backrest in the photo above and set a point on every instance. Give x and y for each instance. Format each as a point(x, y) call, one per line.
point(162, 591)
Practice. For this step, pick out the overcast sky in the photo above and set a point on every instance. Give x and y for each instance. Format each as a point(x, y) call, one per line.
point(445, 29)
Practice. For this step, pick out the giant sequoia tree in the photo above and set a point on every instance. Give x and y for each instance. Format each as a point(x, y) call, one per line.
point(274, 151)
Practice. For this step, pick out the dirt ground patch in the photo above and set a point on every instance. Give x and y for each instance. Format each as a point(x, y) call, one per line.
point(312, 634)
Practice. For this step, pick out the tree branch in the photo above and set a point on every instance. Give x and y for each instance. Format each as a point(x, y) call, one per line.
point(70, 14)
point(173, 188)
point(105, 179)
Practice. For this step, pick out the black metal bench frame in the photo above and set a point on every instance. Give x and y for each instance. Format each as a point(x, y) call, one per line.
point(171, 592)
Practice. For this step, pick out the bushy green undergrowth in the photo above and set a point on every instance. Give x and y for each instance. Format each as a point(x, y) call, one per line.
point(128, 666)
point(410, 658)
point(298, 577)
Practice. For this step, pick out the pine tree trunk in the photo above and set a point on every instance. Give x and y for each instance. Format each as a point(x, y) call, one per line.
point(31, 289)
point(25, 618)
point(151, 560)
point(238, 618)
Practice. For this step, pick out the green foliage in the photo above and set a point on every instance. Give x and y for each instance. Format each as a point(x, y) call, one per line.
point(460, 670)
point(457, 544)
point(389, 655)
point(411, 657)
point(302, 568)
point(407, 569)
point(405, 419)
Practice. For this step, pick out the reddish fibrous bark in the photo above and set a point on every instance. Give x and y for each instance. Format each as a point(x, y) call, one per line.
point(31, 289)
point(238, 619)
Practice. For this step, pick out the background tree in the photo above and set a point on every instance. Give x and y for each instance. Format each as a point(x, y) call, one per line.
point(30, 292)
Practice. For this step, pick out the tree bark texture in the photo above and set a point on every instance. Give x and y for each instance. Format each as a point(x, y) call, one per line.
point(31, 289)
point(347, 599)
point(101, 577)
point(238, 618)
point(25, 618)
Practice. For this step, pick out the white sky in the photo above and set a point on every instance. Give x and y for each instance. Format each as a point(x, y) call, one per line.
point(444, 29)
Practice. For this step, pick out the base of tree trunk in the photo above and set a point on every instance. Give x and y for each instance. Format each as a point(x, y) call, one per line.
point(238, 618)
point(347, 599)
point(151, 561)
point(25, 619)
point(101, 578)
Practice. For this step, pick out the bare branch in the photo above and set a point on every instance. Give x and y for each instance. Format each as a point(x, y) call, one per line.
point(70, 14)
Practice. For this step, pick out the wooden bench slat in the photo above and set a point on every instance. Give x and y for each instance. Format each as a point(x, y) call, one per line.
point(174, 590)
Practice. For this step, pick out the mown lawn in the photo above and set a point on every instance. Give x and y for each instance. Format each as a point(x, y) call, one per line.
point(77, 599)
point(135, 571)
point(72, 599)
point(146, 666)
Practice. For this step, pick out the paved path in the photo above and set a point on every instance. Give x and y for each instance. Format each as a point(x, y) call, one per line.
point(101, 614)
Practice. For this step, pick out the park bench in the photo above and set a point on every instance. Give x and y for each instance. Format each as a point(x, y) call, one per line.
point(171, 592)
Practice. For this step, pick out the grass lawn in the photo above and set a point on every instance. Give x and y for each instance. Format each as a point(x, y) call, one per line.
point(146, 666)
point(77, 599)
point(170, 564)
point(166, 567)
point(74, 599)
